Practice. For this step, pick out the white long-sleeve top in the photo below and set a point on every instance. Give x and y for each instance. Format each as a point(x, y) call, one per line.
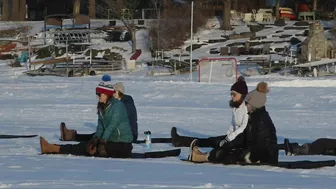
point(239, 121)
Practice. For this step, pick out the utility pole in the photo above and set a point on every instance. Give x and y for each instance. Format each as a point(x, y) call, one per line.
point(191, 37)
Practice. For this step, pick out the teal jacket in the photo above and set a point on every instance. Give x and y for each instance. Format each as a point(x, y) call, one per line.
point(24, 57)
point(113, 123)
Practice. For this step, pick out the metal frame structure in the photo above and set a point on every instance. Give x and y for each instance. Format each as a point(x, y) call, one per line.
point(61, 18)
point(217, 59)
point(90, 64)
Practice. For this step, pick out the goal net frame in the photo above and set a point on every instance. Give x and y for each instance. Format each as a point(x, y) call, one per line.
point(234, 66)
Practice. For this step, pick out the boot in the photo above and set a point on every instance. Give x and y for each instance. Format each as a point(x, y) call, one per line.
point(288, 147)
point(195, 155)
point(47, 148)
point(283, 147)
point(66, 134)
point(301, 150)
point(180, 141)
point(296, 149)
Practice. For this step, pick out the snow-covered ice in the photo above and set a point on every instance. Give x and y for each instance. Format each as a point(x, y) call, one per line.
point(303, 109)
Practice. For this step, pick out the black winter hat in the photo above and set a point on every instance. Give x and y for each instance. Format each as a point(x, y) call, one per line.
point(240, 87)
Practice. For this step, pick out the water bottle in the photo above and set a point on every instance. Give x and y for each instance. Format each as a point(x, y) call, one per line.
point(148, 139)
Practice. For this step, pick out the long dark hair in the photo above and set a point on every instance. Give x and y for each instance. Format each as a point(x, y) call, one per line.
point(121, 95)
point(238, 103)
point(101, 106)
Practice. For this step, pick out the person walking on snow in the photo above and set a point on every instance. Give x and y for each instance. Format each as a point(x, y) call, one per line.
point(113, 137)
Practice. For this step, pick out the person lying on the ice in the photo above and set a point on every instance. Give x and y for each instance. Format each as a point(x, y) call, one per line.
point(321, 146)
point(258, 143)
point(113, 137)
point(254, 100)
point(127, 100)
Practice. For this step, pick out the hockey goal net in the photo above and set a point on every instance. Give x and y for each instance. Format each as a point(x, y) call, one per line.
point(217, 70)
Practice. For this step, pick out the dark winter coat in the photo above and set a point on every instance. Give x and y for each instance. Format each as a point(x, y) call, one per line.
point(261, 138)
point(132, 114)
point(113, 123)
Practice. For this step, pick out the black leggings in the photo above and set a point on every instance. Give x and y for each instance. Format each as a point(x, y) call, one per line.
point(83, 137)
point(210, 142)
point(87, 137)
point(262, 154)
point(225, 154)
point(323, 146)
point(113, 149)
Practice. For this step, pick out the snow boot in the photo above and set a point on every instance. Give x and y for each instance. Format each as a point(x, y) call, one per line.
point(195, 155)
point(47, 148)
point(301, 150)
point(66, 134)
point(288, 147)
point(283, 147)
point(296, 149)
point(180, 141)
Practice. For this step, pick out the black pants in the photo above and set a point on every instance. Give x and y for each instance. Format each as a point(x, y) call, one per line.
point(236, 150)
point(323, 146)
point(83, 137)
point(87, 137)
point(226, 156)
point(230, 152)
point(255, 154)
point(212, 142)
point(112, 149)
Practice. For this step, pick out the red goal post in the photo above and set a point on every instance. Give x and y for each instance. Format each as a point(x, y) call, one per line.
point(229, 62)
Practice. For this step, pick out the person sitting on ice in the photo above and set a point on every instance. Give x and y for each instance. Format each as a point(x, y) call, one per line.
point(255, 99)
point(127, 100)
point(260, 139)
point(239, 121)
point(239, 112)
point(113, 137)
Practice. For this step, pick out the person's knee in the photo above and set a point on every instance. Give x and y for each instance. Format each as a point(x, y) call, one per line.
point(217, 155)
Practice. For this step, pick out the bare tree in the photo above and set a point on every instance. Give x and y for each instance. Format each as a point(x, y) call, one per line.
point(175, 27)
point(235, 5)
point(123, 10)
point(277, 10)
point(157, 4)
point(226, 15)
point(92, 8)
point(314, 5)
point(76, 7)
